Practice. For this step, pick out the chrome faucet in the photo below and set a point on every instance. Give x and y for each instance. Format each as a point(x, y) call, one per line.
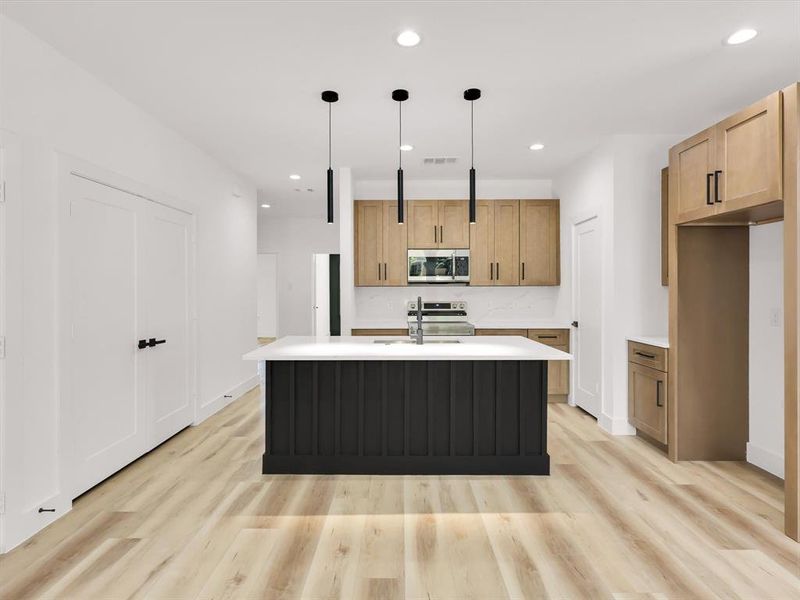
point(419, 320)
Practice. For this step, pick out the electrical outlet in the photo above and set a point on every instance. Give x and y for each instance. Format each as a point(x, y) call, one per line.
point(775, 317)
point(2, 346)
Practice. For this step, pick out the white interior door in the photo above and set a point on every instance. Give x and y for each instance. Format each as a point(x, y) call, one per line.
point(267, 295)
point(587, 277)
point(106, 416)
point(166, 239)
point(128, 280)
point(321, 308)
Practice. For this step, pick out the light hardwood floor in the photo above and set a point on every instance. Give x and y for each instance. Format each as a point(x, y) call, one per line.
point(196, 519)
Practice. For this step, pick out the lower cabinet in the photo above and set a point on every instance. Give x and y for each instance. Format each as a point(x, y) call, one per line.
point(557, 370)
point(379, 332)
point(647, 390)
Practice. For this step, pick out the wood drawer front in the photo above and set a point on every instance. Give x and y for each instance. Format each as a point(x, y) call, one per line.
point(379, 332)
point(551, 337)
point(520, 332)
point(647, 401)
point(558, 375)
point(649, 356)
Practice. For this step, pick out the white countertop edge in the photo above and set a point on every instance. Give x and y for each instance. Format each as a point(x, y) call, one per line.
point(651, 340)
point(294, 348)
point(477, 324)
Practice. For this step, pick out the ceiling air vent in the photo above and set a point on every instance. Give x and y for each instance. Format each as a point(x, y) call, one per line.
point(439, 160)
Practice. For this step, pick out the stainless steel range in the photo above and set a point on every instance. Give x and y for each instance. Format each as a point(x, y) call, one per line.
point(440, 318)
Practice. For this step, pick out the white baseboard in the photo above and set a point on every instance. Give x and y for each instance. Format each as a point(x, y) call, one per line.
point(217, 404)
point(765, 459)
point(616, 426)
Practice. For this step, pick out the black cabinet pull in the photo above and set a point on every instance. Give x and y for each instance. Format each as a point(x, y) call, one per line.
point(716, 186)
point(709, 201)
point(441, 233)
point(385, 276)
point(659, 402)
point(547, 337)
point(435, 234)
point(491, 271)
point(379, 271)
point(498, 271)
point(645, 355)
point(153, 342)
point(523, 271)
point(142, 344)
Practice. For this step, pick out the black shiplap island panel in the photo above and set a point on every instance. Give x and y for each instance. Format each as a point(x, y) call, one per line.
point(406, 417)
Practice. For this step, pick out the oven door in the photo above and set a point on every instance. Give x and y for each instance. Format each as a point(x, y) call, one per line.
point(438, 266)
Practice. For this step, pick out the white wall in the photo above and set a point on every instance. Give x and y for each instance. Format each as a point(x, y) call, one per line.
point(54, 108)
point(267, 295)
point(620, 182)
point(765, 445)
point(296, 240)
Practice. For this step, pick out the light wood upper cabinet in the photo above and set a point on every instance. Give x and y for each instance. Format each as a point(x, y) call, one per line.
point(423, 224)
point(734, 165)
point(438, 224)
point(369, 242)
point(506, 242)
point(380, 244)
point(691, 169)
point(494, 243)
point(453, 224)
point(539, 242)
point(748, 155)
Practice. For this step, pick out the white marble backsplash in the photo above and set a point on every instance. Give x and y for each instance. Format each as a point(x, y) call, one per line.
point(496, 304)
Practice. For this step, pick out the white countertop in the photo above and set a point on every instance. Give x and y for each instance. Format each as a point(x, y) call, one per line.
point(363, 348)
point(650, 340)
point(479, 324)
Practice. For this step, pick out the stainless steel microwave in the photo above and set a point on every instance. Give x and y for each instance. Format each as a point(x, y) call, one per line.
point(438, 266)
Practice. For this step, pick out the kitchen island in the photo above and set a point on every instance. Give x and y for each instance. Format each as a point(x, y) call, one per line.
point(466, 405)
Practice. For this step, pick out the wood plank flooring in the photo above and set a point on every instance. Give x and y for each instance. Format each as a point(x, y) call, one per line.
point(196, 519)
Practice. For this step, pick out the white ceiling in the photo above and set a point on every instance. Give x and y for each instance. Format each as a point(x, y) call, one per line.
point(242, 79)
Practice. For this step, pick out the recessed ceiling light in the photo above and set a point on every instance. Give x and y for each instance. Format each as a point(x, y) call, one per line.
point(536, 146)
point(406, 147)
point(408, 38)
point(741, 36)
point(265, 206)
point(295, 177)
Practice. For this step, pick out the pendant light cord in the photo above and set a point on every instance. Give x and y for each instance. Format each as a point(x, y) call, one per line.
point(472, 132)
point(329, 135)
point(400, 135)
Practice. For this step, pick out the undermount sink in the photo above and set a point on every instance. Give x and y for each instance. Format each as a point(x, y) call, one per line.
point(392, 342)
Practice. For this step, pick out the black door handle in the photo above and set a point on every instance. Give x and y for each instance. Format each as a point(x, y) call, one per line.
point(716, 186)
point(142, 344)
point(574, 323)
point(709, 201)
point(154, 342)
point(659, 402)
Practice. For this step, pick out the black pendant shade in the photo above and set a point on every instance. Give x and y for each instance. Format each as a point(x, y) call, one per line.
point(470, 96)
point(330, 97)
point(400, 96)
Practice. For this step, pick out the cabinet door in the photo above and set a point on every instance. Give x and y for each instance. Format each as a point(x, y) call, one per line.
point(539, 242)
point(558, 375)
point(453, 224)
point(506, 242)
point(748, 147)
point(369, 242)
point(481, 245)
point(647, 401)
point(691, 173)
point(423, 224)
point(395, 247)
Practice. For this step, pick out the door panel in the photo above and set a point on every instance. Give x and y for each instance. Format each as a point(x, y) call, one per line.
point(105, 410)
point(647, 393)
point(506, 242)
point(749, 148)
point(690, 165)
point(587, 268)
point(539, 242)
point(166, 289)
point(453, 224)
point(369, 242)
point(395, 247)
point(481, 245)
point(423, 224)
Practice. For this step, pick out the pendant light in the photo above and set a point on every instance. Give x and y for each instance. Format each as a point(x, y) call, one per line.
point(330, 97)
point(400, 96)
point(471, 95)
